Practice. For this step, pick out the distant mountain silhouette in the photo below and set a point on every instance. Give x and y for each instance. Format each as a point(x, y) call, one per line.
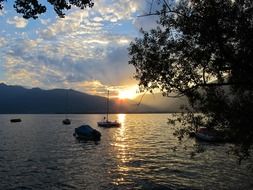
point(17, 99)
point(159, 103)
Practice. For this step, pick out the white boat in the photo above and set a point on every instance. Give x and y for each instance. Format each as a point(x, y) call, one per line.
point(106, 122)
point(86, 132)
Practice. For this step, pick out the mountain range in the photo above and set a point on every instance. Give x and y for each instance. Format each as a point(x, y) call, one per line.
point(18, 99)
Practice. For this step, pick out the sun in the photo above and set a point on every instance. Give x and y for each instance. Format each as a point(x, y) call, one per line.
point(127, 94)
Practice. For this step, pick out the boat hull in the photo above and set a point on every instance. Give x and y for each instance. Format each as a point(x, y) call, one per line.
point(205, 137)
point(15, 120)
point(85, 132)
point(208, 135)
point(108, 124)
point(66, 122)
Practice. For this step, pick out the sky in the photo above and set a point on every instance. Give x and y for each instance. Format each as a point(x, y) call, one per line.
point(85, 51)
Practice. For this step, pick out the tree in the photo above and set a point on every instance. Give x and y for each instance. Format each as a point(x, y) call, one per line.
point(203, 49)
point(33, 8)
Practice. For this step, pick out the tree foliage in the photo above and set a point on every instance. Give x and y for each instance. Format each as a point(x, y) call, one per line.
point(203, 49)
point(33, 8)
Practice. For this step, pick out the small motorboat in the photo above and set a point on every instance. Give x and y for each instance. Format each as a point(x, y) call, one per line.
point(108, 124)
point(66, 121)
point(15, 120)
point(86, 132)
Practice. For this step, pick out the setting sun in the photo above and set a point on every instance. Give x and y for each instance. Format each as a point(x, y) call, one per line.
point(127, 94)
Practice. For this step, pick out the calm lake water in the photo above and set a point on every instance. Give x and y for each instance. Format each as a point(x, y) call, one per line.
point(41, 153)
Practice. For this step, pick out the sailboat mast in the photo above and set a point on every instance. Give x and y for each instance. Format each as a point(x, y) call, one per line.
point(66, 103)
point(67, 110)
point(107, 106)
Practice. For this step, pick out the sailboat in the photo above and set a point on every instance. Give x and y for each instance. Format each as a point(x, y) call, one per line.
point(66, 121)
point(106, 122)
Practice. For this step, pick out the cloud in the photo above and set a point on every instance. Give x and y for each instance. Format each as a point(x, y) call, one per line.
point(18, 22)
point(91, 20)
point(50, 66)
point(85, 51)
point(146, 21)
point(94, 87)
point(2, 12)
point(2, 42)
point(45, 21)
point(98, 19)
point(119, 10)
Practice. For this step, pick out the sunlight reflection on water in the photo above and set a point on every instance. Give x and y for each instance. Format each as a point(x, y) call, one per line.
point(41, 153)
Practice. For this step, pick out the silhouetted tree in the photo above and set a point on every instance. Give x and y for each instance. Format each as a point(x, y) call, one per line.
point(33, 8)
point(203, 49)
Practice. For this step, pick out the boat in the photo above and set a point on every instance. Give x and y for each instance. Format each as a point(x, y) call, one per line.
point(208, 135)
point(66, 121)
point(15, 120)
point(86, 132)
point(106, 122)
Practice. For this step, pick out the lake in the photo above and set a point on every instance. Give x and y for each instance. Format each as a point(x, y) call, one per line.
point(41, 153)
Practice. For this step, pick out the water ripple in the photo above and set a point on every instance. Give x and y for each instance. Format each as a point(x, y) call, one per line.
point(41, 153)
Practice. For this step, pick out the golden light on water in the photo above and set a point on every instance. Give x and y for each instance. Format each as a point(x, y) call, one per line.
point(121, 135)
point(121, 118)
point(121, 150)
